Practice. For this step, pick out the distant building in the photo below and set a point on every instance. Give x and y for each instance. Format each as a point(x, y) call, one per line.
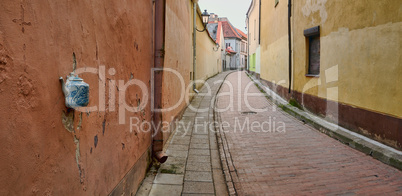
point(216, 32)
point(235, 42)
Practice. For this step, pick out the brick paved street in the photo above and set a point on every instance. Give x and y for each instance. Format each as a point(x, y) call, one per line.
point(291, 158)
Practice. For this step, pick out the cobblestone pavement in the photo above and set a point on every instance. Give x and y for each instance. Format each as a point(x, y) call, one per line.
point(286, 157)
point(193, 166)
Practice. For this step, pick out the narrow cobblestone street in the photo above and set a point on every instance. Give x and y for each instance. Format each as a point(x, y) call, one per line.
point(252, 147)
point(294, 159)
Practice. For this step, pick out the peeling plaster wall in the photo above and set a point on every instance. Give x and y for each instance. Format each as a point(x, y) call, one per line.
point(274, 43)
point(363, 40)
point(47, 149)
point(360, 62)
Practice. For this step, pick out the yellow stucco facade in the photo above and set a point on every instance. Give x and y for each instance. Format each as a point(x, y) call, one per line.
point(209, 56)
point(360, 59)
point(253, 23)
point(274, 43)
point(178, 58)
point(360, 43)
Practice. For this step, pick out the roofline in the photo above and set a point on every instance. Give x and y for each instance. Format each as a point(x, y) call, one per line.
point(241, 33)
point(250, 8)
point(234, 29)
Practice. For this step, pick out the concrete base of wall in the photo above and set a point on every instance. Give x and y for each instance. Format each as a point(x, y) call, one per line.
point(377, 126)
point(255, 74)
point(132, 180)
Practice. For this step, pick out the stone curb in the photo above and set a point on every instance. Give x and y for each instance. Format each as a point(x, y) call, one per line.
point(229, 171)
point(377, 150)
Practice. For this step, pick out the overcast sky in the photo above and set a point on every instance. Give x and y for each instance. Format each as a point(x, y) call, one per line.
point(234, 10)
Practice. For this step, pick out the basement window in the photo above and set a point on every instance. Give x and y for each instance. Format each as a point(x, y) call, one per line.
point(313, 45)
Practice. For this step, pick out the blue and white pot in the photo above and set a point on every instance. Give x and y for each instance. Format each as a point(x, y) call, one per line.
point(76, 91)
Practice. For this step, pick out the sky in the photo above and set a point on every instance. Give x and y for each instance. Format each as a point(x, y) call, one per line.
point(234, 10)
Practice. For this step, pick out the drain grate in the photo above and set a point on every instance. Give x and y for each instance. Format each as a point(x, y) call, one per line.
point(249, 113)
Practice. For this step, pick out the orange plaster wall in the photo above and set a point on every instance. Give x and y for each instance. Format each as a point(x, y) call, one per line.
point(37, 38)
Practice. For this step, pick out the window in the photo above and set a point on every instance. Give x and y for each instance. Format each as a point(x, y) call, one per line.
point(227, 45)
point(313, 45)
point(255, 31)
point(276, 2)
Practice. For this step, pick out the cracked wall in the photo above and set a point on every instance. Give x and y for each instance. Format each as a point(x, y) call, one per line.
point(48, 149)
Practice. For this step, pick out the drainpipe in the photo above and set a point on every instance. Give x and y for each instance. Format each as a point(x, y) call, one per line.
point(194, 42)
point(259, 24)
point(290, 43)
point(157, 143)
point(248, 45)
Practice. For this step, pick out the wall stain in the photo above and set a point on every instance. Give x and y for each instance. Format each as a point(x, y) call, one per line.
point(79, 126)
point(135, 45)
point(96, 141)
point(67, 118)
point(103, 126)
point(312, 6)
point(4, 64)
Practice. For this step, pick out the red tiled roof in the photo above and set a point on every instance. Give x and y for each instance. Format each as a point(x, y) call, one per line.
point(229, 31)
point(241, 33)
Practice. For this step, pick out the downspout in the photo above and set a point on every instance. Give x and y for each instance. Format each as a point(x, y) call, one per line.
point(259, 24)
point(157, 143)
point(248, 44)
point(194, 42)
point(290, 43)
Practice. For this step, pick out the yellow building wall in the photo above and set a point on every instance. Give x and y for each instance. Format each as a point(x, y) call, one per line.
point(274, 43)
point(178, 62)
point(253, 27)
point(360, 61)
point(360, 50)
point(178, 57)
point(209, 57)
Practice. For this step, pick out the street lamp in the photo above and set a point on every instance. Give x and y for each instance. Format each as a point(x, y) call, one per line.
point(205, 19)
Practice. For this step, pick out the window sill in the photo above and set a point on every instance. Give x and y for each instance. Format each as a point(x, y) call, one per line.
point(313, 75)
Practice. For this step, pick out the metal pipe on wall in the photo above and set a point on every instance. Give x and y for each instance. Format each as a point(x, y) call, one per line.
point(156, 99)
point(248, 44)
point(194, 42)
point(290, 43)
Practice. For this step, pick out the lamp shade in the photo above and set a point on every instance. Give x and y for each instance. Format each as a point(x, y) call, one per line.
point(205, 17)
